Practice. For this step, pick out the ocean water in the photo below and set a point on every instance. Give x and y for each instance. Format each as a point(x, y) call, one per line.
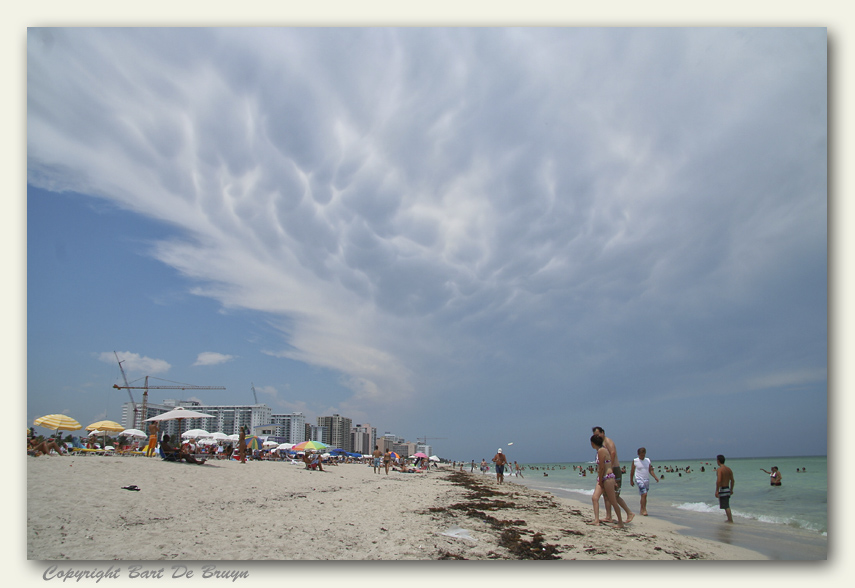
point(784, 522)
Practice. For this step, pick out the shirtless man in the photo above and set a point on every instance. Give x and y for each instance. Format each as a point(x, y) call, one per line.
point(501, 461)
point(724, 486)
point(377, 455)
point(598, 491)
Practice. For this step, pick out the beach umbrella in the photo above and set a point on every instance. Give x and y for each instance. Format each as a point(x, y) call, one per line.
point(285, 446)
point(235, 438)
point(270, 444)
point(395, 455)
point(433, 458)
point(195, 434)
point(57, 423)
point(180, 413)
point(419, 454)
point(133, 433)
point(218, 436)
point(104, 426)
point(309, 445)
point(252, 442)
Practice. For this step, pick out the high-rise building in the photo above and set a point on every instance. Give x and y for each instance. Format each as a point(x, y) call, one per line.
point(290, 426)
point(337, 431)
point(227, 418)
point(363, 438)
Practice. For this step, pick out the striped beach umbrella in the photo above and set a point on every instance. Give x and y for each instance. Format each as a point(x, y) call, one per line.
point(58, 422)
point(252, 442)
point(111, 426)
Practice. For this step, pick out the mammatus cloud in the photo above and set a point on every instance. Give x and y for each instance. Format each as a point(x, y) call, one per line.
point(409, 203)
point(134, 363)
point(212, 358)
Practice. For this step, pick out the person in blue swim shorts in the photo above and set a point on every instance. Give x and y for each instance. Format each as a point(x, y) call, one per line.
point(640, 476)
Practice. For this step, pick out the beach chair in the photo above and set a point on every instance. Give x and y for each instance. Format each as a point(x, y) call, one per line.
point(172, 456)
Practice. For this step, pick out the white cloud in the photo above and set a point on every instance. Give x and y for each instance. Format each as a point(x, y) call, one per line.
point(134, 363)
point(212, 358)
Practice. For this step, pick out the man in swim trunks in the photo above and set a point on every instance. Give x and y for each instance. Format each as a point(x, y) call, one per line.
point(377, 455)
point(501, 461)
point(640, 476)
point(774, 476)
point(724, 486)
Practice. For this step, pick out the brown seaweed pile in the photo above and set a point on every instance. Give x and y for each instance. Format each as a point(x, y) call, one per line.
point(481, 500)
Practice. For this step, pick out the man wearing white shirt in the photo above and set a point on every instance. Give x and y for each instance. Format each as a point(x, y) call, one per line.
point(640, 476)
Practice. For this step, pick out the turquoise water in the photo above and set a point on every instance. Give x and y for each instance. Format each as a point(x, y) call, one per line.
point(785, 522)
point(801, 501)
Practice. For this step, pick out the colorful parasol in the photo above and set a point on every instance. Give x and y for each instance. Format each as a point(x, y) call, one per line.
point(317, 445)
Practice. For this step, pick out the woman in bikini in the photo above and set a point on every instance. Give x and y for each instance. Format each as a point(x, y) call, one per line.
point(605, 480)
point(774, 476)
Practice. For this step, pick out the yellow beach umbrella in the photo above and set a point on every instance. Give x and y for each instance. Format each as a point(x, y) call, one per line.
point(111, 426)
point(57, 422)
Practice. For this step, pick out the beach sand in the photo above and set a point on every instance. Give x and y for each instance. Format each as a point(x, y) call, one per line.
point(77, 510)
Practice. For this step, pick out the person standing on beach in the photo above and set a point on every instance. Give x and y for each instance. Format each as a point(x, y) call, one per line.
point(598, 491)
point(518, 470)
point(724, 486)
point(774, 476)
point(242, 445)
point(152, 439)
point(387, 460)
point(640, 475)
point(501, 461)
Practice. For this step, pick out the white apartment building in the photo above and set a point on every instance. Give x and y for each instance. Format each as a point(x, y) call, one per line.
point(292, 426)
point(227, 418)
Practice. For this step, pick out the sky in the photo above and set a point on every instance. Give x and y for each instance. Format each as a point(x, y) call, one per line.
point(479, 236)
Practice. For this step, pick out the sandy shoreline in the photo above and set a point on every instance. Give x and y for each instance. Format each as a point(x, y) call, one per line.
point(77, 510)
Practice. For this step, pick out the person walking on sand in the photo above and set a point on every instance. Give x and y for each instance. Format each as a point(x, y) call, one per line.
point(387, 460)
point(605, 481)
point(152, 440)
point(724, 486)
point(774, 476)
point(640, 476)
point(518, 470)
point(377, 455)
point(501, 461)
point(598, 491)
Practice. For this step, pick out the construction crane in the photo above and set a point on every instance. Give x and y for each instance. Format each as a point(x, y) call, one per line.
point(424, 440)
point(143, 412)
point(127, 386)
